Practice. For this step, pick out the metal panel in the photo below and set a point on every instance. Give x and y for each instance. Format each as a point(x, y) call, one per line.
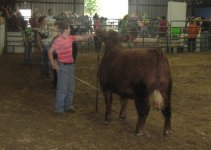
point(153, 8)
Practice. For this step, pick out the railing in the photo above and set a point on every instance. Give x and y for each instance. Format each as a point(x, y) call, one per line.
point(2, 37)
point(15, 42)
point(176, 39)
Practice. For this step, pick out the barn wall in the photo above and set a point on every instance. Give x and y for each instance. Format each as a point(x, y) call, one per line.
point(153, 8)
point(76, 6)
point(203, 12)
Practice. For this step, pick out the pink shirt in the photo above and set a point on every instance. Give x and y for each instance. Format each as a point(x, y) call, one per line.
point(63, 47)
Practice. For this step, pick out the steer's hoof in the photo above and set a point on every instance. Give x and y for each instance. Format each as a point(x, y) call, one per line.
point(167, 134)
point(122, 117)
point(107, 122)
point(108, 119)
point(142, 133)
point(139, 133)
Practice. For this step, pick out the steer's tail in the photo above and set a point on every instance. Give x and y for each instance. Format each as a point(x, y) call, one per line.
point(157, 99)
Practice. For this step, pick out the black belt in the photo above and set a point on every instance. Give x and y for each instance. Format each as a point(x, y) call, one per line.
point(66, 63)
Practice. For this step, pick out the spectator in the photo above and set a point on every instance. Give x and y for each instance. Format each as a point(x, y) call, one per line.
point(95, 16)
point(132, 28)
point(204, 34)
point(13, 23)
point(103, 22)
point(97, 25)
point(21, 19)
point(192, 31)
point(43, 43)
point(163, 27)
point(50, 17)
point(34, 21)
point(142, 28)
point(62, 17)
point(54, 33)
point(88, 24)
point(123, 26)
point(28, 36)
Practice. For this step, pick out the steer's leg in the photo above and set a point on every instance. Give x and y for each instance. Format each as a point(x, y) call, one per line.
point(167, 112)
point(108, 104)
point(142, 106)
point(123, 102)
point(167, 125)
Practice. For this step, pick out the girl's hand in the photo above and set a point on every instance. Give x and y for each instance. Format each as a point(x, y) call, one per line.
point(55, 66)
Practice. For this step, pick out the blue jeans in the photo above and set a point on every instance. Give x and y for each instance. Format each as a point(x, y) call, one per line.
point(65, 87)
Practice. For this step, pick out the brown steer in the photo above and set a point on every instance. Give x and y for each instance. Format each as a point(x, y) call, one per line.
point(139, 74)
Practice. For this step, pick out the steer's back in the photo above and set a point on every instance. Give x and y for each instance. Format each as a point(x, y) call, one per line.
point(121, 70)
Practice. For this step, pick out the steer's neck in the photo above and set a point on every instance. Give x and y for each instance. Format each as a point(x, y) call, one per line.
point(112, 46)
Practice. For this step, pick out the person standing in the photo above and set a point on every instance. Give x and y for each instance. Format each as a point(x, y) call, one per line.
point(43, 41)
point(123, 26)
point(204, 34)
point(64, 65)
point(54, 33)
point(97, 25)
point(193, 31)
point(132, 28)
point(28, 37)
point(163, 27)
point(34, 21)
point(50, 17)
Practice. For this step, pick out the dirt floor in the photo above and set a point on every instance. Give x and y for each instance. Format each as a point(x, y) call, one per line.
point(27, 121)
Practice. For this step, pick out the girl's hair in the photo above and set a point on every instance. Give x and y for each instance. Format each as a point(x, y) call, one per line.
point(62, 26)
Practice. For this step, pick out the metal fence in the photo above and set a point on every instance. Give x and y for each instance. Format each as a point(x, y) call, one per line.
point(176, 39)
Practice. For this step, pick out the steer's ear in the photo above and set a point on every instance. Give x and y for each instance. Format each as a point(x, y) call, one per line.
point(124, 38)
point(114, 36)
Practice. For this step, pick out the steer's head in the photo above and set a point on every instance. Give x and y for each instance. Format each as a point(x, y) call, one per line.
point(110, 36)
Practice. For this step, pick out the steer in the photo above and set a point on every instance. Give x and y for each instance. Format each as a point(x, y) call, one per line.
point(140, 74)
